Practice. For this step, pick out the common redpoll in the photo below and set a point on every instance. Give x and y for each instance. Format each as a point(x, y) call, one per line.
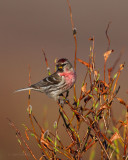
point(57, 83)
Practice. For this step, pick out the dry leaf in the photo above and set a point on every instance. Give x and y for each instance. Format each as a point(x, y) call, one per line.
point(85, 63)
point(84, 88)
point(107, 54)
point(104, 107)
point(115, 136)
point(121, 101)
point(104, 83)
point(121, 67)
point(87, 99)
point(95, 73)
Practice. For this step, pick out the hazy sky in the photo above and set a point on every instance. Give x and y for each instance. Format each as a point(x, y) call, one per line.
point(27, 26)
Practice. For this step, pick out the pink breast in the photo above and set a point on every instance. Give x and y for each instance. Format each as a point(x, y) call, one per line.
point(69, 77)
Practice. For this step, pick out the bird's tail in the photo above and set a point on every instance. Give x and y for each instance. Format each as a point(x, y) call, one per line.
point(23, 89)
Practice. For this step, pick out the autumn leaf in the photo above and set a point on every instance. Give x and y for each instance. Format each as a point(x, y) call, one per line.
point(104, 107)
point(114, 137)
point(121, 101)
point(95, 73)
point(107, 54)
point(104, 83)
point(84, 88)
point(87, 99)
point(85, 63)
point(121, 67)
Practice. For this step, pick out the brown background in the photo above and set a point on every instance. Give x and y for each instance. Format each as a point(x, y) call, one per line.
point(27, 26)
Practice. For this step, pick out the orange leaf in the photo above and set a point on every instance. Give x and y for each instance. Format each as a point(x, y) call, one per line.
point(84, 88)
point(104, 107)
point(85, 63)
point(121, 101)
point(121, 67)
point(107, 54)
point(115, 136)
point(95, 73)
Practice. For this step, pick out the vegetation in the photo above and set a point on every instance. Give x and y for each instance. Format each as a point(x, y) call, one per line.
point(91, 114)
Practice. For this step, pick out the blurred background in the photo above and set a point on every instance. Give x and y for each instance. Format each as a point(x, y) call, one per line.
point(27, 26)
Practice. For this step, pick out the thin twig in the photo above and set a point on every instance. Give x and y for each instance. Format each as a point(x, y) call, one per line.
point(107, 35)
point(74, 35)
point(46, 61)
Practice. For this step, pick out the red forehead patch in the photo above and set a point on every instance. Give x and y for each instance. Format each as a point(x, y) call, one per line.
point(62, 60)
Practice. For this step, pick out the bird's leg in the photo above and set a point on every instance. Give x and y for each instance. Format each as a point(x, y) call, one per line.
point(66, 100)
point(61, 95)
point(67, 94)
point(61, 101)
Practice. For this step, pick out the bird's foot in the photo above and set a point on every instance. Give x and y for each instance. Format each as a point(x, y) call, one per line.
point(66, 101)
point(61, 102)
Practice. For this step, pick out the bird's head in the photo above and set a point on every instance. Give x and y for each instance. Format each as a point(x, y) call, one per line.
point(63, 65)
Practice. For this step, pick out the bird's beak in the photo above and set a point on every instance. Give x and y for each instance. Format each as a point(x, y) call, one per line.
point(60, 67)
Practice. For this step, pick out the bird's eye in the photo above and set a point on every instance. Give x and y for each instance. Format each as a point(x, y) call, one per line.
point(60, 67)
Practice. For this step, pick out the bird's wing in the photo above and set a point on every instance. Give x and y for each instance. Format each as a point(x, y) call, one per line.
point(53, 79)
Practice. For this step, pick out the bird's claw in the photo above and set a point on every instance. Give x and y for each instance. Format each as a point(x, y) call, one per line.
point(66, 101)
point(61, 102)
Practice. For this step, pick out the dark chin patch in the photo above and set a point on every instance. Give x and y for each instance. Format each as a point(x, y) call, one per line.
point(60, 70)
point(62, 60)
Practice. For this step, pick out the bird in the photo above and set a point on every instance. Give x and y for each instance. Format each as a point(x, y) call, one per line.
point(57, 83)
